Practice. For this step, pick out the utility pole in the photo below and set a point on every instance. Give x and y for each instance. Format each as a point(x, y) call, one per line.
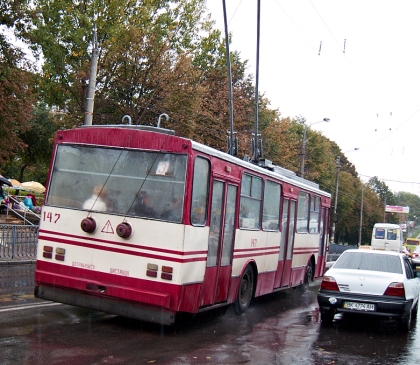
point(92, 80)
point(302, 156)
point(256, 153)
point(361, 217)
point(231, 144)
point(384, 208)
point(335, 218)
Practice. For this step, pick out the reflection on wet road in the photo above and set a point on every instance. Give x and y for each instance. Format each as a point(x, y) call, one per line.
point(282, 328)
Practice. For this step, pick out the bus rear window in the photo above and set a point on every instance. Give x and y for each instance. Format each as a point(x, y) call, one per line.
point(118, 181)
point(379, 233)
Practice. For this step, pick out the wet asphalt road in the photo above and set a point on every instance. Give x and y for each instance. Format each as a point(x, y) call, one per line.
point(283, 328)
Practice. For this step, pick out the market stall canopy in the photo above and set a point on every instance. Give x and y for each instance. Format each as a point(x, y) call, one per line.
point(16, 184)
point(34, 186)
point(4, 181)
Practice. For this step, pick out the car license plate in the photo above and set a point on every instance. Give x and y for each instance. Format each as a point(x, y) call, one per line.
point(359, 306)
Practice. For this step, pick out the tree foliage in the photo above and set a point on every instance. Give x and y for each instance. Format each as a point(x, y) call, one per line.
point(155, 57)
point(16, 100)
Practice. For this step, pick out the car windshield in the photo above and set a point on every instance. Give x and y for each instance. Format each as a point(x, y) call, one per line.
point(369, 261)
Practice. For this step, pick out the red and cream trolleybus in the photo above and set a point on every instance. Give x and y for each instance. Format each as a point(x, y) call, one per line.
point(144, 224)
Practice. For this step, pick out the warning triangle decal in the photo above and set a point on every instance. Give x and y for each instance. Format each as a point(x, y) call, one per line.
point(108, 228)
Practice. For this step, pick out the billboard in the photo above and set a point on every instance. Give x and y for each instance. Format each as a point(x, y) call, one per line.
point(396, 209)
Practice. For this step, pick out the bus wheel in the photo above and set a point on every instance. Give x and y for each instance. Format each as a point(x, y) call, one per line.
point(307, 278)
point(246, 289)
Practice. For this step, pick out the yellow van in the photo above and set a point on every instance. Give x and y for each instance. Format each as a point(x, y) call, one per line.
point(412, 241)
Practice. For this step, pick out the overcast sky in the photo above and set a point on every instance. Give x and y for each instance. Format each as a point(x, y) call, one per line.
point(356, 62)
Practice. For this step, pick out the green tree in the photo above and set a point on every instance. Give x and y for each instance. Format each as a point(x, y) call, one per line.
point(16, 100)
point(33, 160)
point(372, 212)
point(386, 197)
point(410, 200)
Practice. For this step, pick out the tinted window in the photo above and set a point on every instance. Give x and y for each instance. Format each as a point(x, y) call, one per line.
point(271, 207)
point(369, 261)
point(408, 270)
point(303, 212)
point(391, 234)
point(200, 192)
point(379, 233)
point(314, 217)
point(251, 190)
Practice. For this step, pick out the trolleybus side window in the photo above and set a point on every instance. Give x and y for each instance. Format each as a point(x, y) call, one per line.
point(271, 207)
point(314, 214)
point(249, 215)
point(291, 238)
point(126, 176)
point(200, 191)
point(303, 213)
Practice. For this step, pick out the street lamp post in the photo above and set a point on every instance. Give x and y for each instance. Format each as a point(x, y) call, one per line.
point(302, 158)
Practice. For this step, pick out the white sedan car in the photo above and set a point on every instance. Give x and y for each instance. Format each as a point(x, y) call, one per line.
point(370, 282)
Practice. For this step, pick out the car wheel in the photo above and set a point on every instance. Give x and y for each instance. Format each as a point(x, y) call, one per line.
point(415, 309)
point(406, 321)
point(327, 317)
point(308, 278)
point(245, 291)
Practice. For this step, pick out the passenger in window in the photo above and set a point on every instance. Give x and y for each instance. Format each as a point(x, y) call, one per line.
point(143, 207)
point(174, 212)
point(97, 200)
point(244, 212)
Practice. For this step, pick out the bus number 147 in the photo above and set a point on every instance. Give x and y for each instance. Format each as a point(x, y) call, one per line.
point(48, 216)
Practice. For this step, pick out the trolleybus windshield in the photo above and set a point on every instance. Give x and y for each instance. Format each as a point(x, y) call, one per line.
point(127, 182)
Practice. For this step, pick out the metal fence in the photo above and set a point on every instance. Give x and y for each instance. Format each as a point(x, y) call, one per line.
point(18, 242)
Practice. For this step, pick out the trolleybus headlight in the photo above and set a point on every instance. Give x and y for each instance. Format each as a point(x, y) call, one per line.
point(88, 225)
point(124, 230)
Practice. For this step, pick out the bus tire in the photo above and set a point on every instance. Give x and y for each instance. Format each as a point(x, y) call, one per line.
point(303, 288)
point(245, 291)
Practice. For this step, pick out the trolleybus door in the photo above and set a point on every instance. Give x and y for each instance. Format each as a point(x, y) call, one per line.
point(220, 244)
point(323, 238)
point(284, 268)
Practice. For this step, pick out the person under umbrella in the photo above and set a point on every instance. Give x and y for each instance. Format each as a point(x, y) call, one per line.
point(3, 197)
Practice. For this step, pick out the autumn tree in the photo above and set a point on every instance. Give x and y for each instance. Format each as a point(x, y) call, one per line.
point(146, 54)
